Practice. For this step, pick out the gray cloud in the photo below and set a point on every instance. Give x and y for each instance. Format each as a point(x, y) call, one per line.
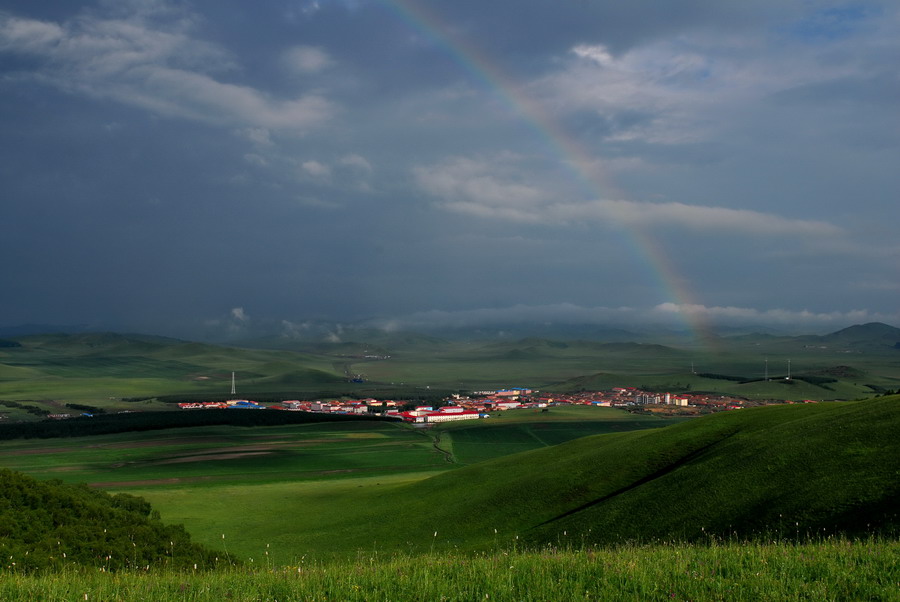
point(306, 59)
point(669, 314)
point(488, 188)
point(168, 72)
point(694, 218)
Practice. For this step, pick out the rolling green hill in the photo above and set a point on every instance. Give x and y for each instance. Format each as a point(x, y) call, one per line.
point(98, 367)
point(472, 441)
point(352, 341)
point(784, 471)
point(871, 335)
point(105, 369)
point(266, 484)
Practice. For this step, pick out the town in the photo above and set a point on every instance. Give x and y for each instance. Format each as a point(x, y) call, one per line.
point(481, 404)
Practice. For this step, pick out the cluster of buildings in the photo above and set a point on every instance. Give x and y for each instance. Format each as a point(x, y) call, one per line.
point(358, 406)
point(630, 398)
point(480, 404)
point(427, 414)
point(633, 397)
point(361, 406)
point(232, 404)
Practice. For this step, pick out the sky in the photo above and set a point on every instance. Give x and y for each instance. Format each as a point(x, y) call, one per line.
point(218, 166)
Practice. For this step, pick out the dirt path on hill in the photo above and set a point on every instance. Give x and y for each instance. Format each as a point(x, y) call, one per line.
point(436, 442)
point(535, 437)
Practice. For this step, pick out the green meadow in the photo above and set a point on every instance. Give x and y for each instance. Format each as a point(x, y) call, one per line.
point(224, 455)
point(332, 490)
point(510, 432)
point(834, 371)
point(129, 372)
point(798, 470)
point(264, 485)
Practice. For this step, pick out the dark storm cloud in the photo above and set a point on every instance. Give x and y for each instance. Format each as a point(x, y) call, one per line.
point(545, 26)
point(164, 163)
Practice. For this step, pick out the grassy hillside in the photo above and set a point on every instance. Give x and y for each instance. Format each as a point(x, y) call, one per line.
point(833, 371)
point(789, 470)
point(506, 433)
point(271, 484)
point(535, 363)
point(542, 519)
point(818, 382)
point(108, 369)
point(872, 336)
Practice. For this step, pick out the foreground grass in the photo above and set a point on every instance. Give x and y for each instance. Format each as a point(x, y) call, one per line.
point(831, 569)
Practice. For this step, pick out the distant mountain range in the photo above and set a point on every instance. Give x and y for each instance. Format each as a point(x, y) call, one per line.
point(874, 336)
point(23, 330)
point(365, 339)
point(873, 332)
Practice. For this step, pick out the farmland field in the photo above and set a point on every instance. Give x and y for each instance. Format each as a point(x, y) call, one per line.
point(218, 455)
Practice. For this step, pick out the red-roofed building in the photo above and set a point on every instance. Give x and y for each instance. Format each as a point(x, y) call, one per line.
point(450, 416)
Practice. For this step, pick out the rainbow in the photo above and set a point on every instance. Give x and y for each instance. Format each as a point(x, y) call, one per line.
point(594, 181)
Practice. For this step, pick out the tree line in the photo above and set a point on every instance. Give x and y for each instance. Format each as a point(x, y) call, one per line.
point(148, 421)
point(51, 525)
